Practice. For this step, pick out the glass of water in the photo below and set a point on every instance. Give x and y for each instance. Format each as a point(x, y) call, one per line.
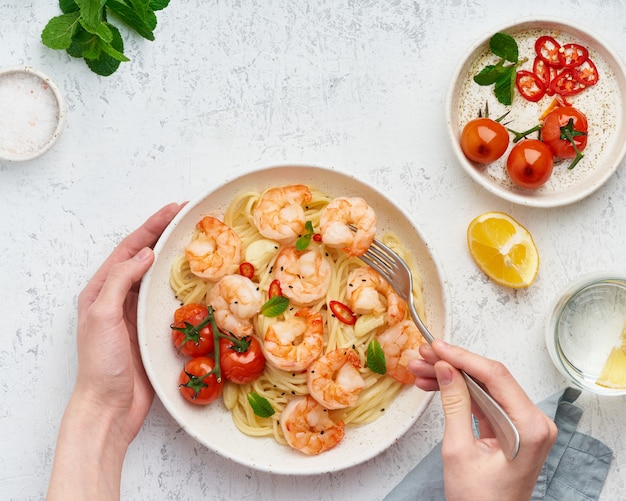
point(585, 324)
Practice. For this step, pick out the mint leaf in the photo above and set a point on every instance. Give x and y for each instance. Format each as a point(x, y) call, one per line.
point(376, 357)
point(275, 306)
point(101, 30)
point(504, 46)
point(505, 86)
point(68, 6)
point(260, 405)
point(501, 75)
point(159, 4)
point(304, 240)
point(131, 18)
point(58, 33)
point(91, 13)
point(105, 64)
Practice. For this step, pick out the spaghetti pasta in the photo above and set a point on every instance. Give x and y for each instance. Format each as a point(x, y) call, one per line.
point(279, 386)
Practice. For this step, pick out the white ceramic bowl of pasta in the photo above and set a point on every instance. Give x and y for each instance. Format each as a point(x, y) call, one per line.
point(603, 104)
point(213, 425)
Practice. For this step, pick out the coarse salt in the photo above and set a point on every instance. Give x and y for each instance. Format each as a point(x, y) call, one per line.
point(30, 114)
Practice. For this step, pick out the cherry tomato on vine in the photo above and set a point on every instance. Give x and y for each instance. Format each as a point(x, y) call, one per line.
point(555, 128)
point(484, 140)
point(191, 332)
point(530, 164)
point(197, 383)
point(243, 361)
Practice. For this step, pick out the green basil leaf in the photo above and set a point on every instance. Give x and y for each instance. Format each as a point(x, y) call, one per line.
point(376, 357)
point(275, 306)
point(59, 31)
point(505, 46)
point(260, 405)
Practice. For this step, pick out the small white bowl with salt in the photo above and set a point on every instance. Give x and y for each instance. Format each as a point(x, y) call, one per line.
point(32, 113)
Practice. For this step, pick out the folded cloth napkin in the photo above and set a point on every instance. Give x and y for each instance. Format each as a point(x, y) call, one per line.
point(575, 469)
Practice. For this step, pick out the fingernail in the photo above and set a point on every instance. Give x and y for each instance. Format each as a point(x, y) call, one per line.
point(444, 374)
point(143, 254)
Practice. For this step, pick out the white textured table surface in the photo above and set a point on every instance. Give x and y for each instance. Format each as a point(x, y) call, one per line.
point(228, 87)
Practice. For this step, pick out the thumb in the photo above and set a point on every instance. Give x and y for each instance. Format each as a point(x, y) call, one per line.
point(123, 275)
point(457, 407)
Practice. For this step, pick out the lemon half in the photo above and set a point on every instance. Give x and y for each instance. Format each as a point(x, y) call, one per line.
point(503, 249)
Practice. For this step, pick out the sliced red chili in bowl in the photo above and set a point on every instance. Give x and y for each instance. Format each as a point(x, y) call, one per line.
point(572, 54)
point(586, 73)
point(565, 84)
point(530, 85)
point(547, 48)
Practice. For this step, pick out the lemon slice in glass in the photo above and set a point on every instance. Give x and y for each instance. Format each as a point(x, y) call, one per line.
point(613, 373)
point(503, 249)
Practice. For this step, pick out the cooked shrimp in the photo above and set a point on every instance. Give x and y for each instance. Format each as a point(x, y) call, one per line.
point(215, 252)
point(334, 379)
point(296, 342)
point(304, 276)
point(235, 300)
point(308, 427)
point(279, 214)
point(365, 287)
point(336, 221)
point(401, 343)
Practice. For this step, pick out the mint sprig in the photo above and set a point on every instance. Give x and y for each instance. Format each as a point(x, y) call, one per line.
point(84, 32)
point(501, 75)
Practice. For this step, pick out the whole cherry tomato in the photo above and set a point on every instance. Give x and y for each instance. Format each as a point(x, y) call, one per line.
point(197, 382)
point(530, 164)
point(556, 126)
point(484, 140)
point(242, 361)
point(191, 331)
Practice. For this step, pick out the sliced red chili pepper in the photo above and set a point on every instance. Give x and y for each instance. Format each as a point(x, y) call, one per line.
point(342, 312)
point(317, 237)
point(542, 70)
point(586, 73)
point(529, 85)
point(572, 54)
point(246, 269)
point(547, 48)
point(565, 84)
point(274, 289)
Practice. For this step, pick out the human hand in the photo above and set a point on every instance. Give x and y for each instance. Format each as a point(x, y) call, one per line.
point(477, 468)
point(112, 394)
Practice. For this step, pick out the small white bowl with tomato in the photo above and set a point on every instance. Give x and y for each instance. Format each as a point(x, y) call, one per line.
point(534, 112)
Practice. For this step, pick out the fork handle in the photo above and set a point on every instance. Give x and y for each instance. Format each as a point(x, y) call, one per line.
point(502, 426)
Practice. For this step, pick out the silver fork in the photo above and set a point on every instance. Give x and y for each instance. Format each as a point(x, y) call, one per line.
point(393, 269)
